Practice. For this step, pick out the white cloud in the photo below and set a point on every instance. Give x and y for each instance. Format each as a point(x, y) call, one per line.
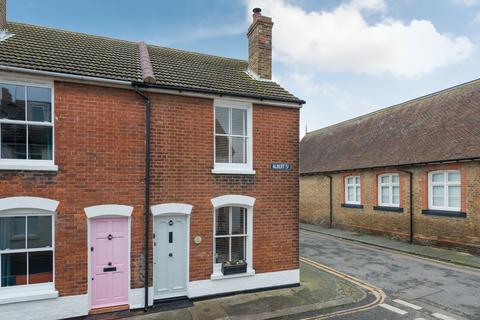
point(466, 3)
point(343, 40)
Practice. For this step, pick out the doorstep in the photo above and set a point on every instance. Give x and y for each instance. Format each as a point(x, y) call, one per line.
point(319, 292)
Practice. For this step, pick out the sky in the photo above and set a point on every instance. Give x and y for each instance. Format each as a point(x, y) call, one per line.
point(346, 58)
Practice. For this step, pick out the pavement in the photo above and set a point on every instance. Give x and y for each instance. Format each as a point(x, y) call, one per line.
point(319, 292)
point(441, 254)
point(415, 288)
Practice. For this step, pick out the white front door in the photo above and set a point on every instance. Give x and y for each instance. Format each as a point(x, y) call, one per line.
point(170, 256)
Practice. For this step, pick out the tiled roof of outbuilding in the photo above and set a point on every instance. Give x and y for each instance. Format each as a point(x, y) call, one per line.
point(439, 127)
point(47, 49)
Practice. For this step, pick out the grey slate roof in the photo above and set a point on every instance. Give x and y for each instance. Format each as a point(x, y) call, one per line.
point(41, 48)
point(439, 127)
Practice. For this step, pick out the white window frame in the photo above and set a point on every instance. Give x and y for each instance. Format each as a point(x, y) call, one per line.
point(29, 206)
point(354, 185)
point(235, 168)
point(247, 203)
point(390, 186)
point(31, 164)
point(446, 185)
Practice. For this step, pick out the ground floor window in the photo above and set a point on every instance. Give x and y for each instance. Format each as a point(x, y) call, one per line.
point(444, 190)
point(26, 249)
point(230, 234)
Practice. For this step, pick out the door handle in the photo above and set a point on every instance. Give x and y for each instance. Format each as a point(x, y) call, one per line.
point(170, 254)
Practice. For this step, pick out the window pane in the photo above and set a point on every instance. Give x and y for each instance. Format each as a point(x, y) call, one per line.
point(12, 233)
point(350, 193)
point(454, 196)
point(396, 195)
point(222, 221)
point(385, 195)
point(438, 177)
point(395, 178)
point(238, 150)
point(40, 142)
point(40, 267)
point(357, 194)
point(221, 120)
point(350, 180)
point(385, 179)
point(453, 176)
point(239, 120)
point(221, 250)
point(39, 104)
point(221, 149)
point(14, 269)
point(14, 138)
point(39, 232)
point(238, 248)
point(238, 220)
point(357, 180)
point(12, 104)
point(438, 196)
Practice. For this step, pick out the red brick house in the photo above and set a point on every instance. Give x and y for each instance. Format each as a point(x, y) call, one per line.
point(131, 173)
point(410, 171)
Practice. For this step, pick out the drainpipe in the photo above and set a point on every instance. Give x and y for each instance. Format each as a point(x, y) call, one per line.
point(147, 188)
point(410, 174)
point(330, 200)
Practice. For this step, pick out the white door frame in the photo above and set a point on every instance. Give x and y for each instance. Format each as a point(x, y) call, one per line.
point(107, 211)
point(173, 209)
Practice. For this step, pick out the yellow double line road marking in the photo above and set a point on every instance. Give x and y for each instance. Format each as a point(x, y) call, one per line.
point(377, 292)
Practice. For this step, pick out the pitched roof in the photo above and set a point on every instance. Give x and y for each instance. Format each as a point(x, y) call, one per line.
point(439, 127)
point(47, 49)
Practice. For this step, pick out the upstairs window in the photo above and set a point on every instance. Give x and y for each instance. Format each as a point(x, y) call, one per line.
point(444, 190)
point(26, 122)
point(352, 190)
point(233, 140)
point(389, 190)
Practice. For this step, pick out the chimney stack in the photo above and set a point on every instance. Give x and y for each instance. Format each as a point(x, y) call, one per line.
point(3, 16)
point(260, 45)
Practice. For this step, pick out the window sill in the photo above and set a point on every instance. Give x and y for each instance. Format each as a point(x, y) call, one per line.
point(386, 208)
point(233, 171)
point(27, 294)
point(444, 213)
point(220, 276)
point(28, 166)
point(351, 205)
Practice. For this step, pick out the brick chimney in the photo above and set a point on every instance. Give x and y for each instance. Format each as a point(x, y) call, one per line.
point(260, 45)
point(3, 16)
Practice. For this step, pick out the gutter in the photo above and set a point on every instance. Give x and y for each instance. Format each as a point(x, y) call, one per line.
point(311, 173)
point(410, 174)
point(216, 92)
point(179, 89)
point(147, 189)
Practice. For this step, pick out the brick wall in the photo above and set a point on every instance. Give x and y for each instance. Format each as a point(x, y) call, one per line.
point(183, 159)
point(100, 149)
point(463, 233)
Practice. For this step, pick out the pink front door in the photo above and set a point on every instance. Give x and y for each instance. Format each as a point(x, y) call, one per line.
point(109, 262)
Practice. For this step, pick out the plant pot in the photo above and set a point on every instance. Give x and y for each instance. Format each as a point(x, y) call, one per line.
point(234, 269)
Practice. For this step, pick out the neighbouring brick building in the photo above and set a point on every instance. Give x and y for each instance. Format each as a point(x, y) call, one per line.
point(125, 164)
point(367, 163)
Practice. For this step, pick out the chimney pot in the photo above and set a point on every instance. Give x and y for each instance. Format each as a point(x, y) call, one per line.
point(260, 45)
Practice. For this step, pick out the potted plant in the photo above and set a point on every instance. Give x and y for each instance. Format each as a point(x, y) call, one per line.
point(234, 267)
